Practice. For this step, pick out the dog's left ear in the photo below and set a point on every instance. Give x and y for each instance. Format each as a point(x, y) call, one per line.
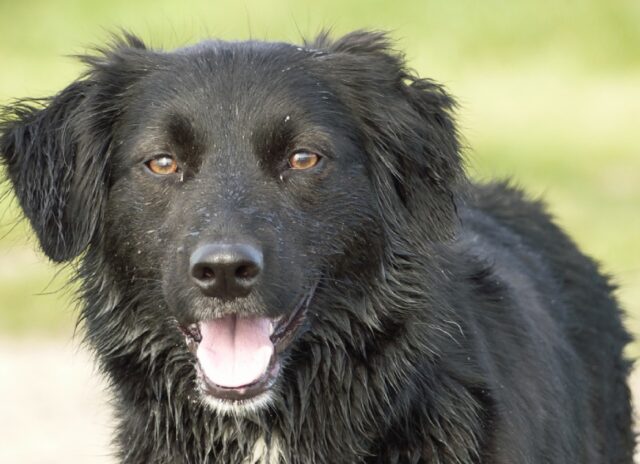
point(56, 151)
point(407, 128)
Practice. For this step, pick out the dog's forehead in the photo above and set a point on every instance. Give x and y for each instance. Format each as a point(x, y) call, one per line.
point(234, 88)
point(248, 77)
point(244, 60)
point(234, 94)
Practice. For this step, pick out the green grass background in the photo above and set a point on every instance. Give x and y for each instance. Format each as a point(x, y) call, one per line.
point(549, 93)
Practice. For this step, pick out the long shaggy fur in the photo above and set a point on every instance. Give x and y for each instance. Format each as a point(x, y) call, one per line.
point(452, 323)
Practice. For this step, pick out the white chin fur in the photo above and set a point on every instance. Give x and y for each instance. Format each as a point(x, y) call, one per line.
point(237, 408)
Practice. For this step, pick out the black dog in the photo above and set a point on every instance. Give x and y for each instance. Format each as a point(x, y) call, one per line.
point(282, 262)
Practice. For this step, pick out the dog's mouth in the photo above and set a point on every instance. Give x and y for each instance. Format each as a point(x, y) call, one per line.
point(238, 357)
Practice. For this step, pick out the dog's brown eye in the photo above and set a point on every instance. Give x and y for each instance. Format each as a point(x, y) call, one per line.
point(303, 160)
point(163, 165)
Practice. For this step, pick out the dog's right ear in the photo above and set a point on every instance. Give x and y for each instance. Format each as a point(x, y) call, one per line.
point(56, 151)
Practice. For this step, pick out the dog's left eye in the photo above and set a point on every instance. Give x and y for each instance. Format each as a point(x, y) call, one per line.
point(303, 160)
point(162, 165)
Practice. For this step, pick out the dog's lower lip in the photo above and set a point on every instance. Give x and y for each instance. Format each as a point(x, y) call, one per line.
point(243, 392)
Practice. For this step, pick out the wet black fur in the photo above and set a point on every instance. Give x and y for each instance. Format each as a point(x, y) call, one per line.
point(452, 323)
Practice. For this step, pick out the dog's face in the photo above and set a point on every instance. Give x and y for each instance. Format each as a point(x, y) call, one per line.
point(226, 185)
point(237, 179)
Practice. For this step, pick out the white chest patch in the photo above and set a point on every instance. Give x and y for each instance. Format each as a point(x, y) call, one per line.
point(265, 454)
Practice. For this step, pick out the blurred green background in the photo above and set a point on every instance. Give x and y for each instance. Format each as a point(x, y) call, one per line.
point(549, 93)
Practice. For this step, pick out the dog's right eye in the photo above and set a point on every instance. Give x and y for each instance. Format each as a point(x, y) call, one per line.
point(162, 165)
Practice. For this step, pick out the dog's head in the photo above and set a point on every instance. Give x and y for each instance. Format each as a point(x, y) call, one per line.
point(223, 185)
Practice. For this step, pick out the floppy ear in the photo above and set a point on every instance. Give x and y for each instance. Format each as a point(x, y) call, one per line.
point(56, 151)
point(406, 127)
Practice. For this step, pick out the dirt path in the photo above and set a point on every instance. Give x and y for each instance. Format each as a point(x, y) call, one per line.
point(54, 408)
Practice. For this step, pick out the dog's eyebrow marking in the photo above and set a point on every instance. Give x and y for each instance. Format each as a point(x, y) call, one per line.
point(181, 131)
point(185, 139)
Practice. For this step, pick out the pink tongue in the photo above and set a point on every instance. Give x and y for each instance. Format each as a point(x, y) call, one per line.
point(234, 351)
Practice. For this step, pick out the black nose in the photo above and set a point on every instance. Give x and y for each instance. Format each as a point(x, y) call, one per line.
point(226, 270)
